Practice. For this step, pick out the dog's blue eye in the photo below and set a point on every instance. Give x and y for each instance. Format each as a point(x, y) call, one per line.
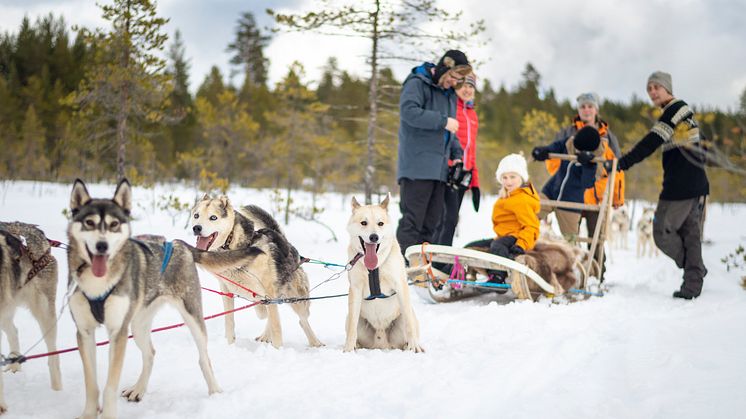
point(380, 224)
point(213, 217)
point(196, 215)
point(365, 223)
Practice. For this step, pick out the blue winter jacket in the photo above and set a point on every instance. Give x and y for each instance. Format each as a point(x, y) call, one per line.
point(572, 178)
point(424, 144)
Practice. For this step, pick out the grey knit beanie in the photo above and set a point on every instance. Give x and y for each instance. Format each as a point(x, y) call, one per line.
point(590, 98)
point(663, 79)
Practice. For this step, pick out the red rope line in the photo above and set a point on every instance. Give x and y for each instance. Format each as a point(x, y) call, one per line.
point(158, 329)
point(253, 294)
point(224, 294)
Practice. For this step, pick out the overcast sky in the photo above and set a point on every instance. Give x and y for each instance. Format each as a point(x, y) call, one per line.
point(607, 46)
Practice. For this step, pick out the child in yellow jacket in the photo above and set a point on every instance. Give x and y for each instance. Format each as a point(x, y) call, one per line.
point(515, 213)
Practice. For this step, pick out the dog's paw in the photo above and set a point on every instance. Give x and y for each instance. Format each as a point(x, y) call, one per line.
point(231, 339)
point(13, 368)
point(349, 348)
point(133, 394)
point(213, 390)
point(415, 347)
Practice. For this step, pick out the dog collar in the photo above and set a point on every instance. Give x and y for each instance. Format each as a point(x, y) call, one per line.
point(226, 245)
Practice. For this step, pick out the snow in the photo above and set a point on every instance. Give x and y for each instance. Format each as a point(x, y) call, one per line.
point(634, 353)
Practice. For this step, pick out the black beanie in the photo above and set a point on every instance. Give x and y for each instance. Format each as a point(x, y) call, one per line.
point(451, 59)
point(587, 139)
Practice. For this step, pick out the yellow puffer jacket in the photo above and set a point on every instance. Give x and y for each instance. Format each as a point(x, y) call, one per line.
point(516, 215)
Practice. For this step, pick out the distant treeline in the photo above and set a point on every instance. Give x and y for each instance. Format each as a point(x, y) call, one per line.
point(290, 136)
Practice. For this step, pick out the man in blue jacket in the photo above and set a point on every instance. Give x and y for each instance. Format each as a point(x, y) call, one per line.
point(427, 128)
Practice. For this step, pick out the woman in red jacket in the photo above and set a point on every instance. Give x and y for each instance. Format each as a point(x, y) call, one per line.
point(467, 176)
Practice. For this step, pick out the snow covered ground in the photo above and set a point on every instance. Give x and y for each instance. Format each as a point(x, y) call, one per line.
point(635, 353)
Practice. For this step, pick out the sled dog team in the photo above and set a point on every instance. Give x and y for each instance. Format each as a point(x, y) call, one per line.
point(122, 280)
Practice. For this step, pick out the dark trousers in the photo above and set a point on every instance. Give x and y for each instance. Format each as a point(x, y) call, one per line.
point(452, 206)
point(677, 232)
point(591, 219)
point(496, 248)
point(421, 208)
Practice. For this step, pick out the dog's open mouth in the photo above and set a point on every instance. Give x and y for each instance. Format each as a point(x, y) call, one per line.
point(204, 243)
point(370, 255)
point(98, 263)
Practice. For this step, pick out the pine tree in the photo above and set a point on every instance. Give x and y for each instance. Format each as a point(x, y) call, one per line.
point(248, 50)
point(182, 134)
point(126, 86)
point(31, 154)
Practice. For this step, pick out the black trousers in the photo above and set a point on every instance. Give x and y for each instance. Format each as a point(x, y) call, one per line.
point(452, 205)
point(496, 248)
point(421, 208)
point(591, 219)
point(677, 231)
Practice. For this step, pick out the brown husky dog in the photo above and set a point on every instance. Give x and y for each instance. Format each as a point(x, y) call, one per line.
point(220, 227)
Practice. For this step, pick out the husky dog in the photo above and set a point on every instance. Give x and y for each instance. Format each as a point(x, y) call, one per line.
point(28, 277)
point(619, 228)
point(123, 281)
point(645, 241)
point(220, 227)
point(380, 323)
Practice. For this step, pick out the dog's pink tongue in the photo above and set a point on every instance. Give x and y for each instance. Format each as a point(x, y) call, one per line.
point(371, 258)
point(98, 265)
point(203, 242)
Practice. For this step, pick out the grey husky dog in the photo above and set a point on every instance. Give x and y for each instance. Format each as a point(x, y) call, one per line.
point(218, 226)
point(28, 277)
point(123, 281)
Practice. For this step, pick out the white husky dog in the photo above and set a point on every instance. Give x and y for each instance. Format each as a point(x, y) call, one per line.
point(382, 318)
point(645, 242)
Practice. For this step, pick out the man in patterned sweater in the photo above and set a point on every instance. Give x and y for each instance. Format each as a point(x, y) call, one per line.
point(678, 217)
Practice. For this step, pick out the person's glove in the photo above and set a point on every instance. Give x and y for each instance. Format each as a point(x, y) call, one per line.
point(675, 113)
point(516, 250)
point(475, 196)
point(540, 153)
point(507, 241)
point(585, 157)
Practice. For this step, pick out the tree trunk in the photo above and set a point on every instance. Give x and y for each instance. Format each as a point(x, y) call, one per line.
point(123, 113)
point(373, 102)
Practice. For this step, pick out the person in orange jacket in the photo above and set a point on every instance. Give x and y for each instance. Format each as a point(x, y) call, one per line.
point(515, 214)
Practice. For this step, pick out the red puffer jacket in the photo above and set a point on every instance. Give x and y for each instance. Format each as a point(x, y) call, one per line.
point(468, 127)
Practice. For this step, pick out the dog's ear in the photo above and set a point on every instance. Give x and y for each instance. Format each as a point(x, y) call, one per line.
point(205, 198)
point(123, 195)
point(355, 204)
point(79, 196)
point(385, 203)
point(224, 201)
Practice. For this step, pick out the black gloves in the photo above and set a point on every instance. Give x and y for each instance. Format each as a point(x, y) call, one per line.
point(475, 195)
point(585, 157)
point(540, 153)
point(516, 250)
point(507, 241)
